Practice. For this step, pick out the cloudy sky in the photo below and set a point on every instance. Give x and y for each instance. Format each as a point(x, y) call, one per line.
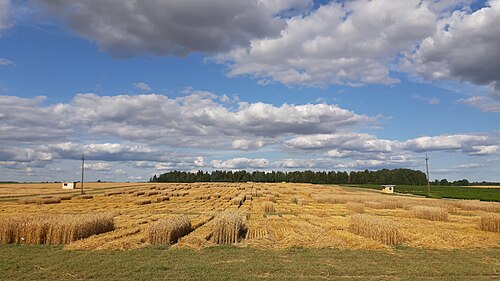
point(145, 87)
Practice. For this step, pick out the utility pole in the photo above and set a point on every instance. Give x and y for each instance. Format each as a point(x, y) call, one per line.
point(428, 179)
point(83, 168)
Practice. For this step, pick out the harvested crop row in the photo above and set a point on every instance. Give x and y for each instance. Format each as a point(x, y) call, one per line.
point(382, 230)
point(475, 205)
point(112, 193)
point(49, 201)
point(84, 197)
point(237, 201)
point(489, 222)
point(151, 193)
point(40, 200)
point(302, 202)
point(28, 200)
point(139, 193)
point(355, 207)
point(162, 198)
point(53, 229)
point(168, 231)
point(268, 207)
point(143, 202)
point(430, 213)
point(228, 228)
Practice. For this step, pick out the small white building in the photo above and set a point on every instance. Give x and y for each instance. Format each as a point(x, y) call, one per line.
point(69, 185)
point(388, 188)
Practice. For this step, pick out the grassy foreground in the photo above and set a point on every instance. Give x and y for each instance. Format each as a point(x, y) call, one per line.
point(457, 192)
point(28, 262)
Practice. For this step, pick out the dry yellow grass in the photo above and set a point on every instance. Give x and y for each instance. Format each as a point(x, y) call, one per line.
point(168, 231)
point(228, 228)
point(489, 222)
point(379, 229)
point(430, 213)
point(53, 229)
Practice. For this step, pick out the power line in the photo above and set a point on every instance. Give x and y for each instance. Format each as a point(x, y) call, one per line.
point(83, 169)
point(428, 179)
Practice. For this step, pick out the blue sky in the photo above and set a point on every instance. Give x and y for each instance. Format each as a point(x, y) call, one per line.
point(155, 86)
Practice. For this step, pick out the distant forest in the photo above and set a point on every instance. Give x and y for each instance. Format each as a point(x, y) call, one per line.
point(385, 176)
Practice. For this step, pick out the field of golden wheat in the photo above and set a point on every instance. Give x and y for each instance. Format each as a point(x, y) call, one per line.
point(258, 215)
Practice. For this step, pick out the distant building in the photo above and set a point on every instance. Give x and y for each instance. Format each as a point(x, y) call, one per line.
point(68, 185)
point(388, 188)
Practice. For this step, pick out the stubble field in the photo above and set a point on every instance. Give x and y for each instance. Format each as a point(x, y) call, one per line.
point(275, 216)
point(261, 217)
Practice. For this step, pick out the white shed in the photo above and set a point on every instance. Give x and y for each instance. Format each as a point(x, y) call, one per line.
point(69, 185)
point(388, 188)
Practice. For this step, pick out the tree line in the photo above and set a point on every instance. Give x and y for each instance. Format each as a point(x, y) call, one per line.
point(385, 176)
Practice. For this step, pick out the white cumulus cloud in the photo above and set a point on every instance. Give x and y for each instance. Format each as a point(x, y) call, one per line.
point(464, 47)
point(240, 163)
point(359, 145)
point(339, 43)
point(460, 142)
point(195, 120)
point(98, 167)
point(342, 141)
point(484, 103)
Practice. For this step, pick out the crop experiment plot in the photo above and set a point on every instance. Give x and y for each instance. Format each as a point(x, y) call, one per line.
point(271, 216)
point(52, 229)
point(20, 190)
